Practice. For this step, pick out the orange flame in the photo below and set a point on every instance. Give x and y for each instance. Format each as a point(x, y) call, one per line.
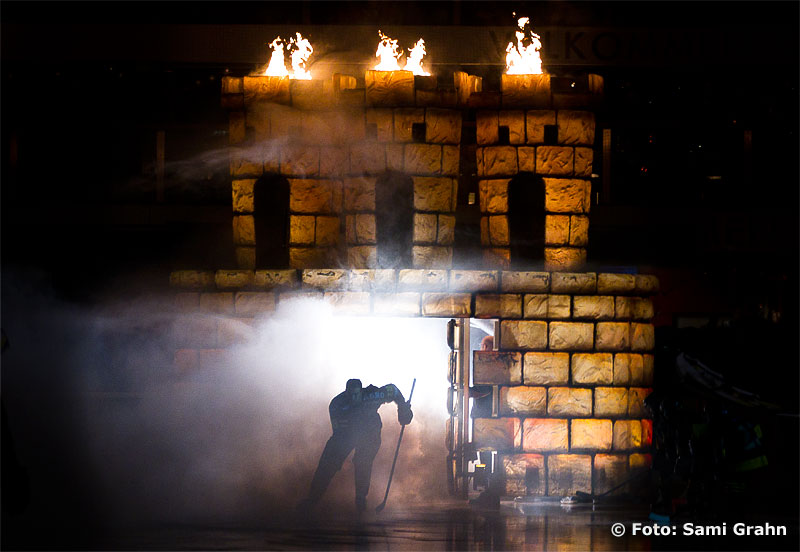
point(414, 61)
point(300, 50)
point(277, 64)
point(300, 55)
point(388, 54)
point(522, 59)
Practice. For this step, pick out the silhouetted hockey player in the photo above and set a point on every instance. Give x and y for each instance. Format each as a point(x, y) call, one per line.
point(356, 425)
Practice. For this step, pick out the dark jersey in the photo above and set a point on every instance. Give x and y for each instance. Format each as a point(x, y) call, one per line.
point(353, 409)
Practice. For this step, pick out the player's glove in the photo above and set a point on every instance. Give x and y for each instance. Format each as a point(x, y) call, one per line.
point(404, 414)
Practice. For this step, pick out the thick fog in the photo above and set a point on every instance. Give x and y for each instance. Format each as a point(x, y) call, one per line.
point(107, 427)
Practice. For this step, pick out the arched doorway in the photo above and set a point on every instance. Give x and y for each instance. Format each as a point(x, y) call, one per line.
point(526, 217)
point(271, 206)
point(394, 219)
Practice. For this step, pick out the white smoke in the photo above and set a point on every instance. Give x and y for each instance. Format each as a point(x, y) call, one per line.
point(235, 440)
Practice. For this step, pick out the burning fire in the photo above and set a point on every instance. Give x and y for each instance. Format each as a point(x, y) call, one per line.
point(389, 56)
point(524, 59)
point(300, 50)
point(414, 61)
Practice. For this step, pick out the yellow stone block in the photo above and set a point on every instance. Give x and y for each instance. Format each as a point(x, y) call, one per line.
point(493, 196)
point(404, 119)
point(515, 121)
point(451, 160)
point(556, 229)
point(442, 126)
point(583, 161)
point(446, 233)
point(578, 230)
point(590, 434)
point(500, 161)
point(244, 230)
point(523, 334)
point(446, 304)
point(424, 228)
point(594, 307)
point(613, 336)
point(383, 120)
point(497, 434)
point(569, 473)
point(575, 336)
point(301, 229)
point(367, 158)
point(525, 90)
point(555, 160)
point(487, 125)
point(233, 279)
point(592, 368)
point(524, 281)
point(497, 367)
point(535, 121)
point(610, 401)
point(545, 435)
point(433, 193)
point(423, 159)
point(568, 401)
point(359, 194)
point(546, 368)
point(498, 306)
point(523, 400)
point(564, 258)
point(327, 231)
point(526, 159)
point(567, 195)
point(243, 198)
point(577, 283)
point(334, 161)
point(389, 88)
point(498, 230)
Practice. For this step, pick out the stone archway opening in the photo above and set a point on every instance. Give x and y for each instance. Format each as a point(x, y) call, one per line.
point(271, 206)
point(395, 219)
point(526, 224)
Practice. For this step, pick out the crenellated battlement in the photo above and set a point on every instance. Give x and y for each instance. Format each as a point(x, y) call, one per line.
point(338, 142)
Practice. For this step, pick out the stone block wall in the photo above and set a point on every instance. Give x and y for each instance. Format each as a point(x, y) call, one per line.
point(574, 362)
point(574, 365)
point(562, 156)
point(334, 141)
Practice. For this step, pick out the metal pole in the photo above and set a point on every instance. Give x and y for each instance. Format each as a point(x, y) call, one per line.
point(464, 348)
point(605, 197)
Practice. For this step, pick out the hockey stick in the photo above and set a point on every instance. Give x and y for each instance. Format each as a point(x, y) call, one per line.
point(382, 505)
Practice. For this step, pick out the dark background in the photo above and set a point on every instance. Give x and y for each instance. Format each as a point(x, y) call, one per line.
point(84, 94)
point(86, 86)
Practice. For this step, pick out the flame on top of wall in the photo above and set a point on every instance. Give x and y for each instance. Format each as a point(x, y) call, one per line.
point(300, 50)
point(523, 58)
point(389, 56)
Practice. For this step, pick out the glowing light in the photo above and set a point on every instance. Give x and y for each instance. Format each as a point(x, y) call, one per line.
point(299, 49)
point(378, 350)
point(277, 63)
point(300, 55)
point(523, 58)
point(414, 61)
point(388, 54)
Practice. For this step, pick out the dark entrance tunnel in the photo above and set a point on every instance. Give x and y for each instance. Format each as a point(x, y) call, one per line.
point(526, 219)
point(394, 209)
point(271, 205)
